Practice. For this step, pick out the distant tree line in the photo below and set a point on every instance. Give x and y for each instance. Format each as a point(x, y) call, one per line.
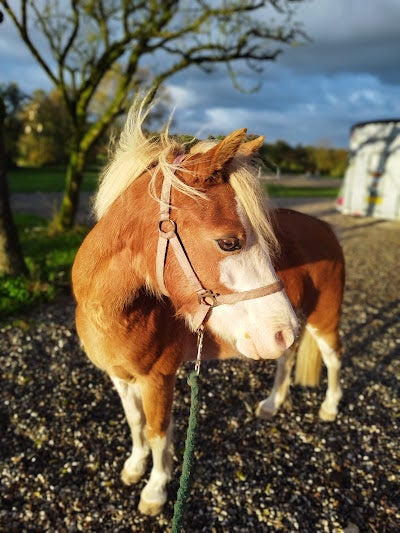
point(313, 161)
point(38, 133)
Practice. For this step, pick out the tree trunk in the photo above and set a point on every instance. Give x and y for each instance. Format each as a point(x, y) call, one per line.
point(11, 258)
point(65, 218)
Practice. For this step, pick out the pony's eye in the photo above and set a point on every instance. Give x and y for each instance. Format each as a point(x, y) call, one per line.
point(230, 244)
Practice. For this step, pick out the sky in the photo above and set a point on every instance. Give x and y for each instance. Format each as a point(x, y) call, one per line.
point(312, 94)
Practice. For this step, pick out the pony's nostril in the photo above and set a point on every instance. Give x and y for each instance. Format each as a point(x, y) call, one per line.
point(280, 339)
point(284, 338)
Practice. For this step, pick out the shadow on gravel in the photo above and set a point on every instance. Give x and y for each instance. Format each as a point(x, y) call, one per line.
point(379, 322)
point(361, 224)
point(64, 440)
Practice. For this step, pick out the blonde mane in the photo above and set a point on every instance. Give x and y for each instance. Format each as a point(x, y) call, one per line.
point(135, 153)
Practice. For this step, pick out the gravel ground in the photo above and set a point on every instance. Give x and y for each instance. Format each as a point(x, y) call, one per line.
point(64, 438)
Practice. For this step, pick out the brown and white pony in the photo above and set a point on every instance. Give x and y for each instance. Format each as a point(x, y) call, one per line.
point(137, 310)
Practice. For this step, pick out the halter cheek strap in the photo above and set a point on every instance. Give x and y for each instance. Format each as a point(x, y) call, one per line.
point(207, 299)
point(166, 230)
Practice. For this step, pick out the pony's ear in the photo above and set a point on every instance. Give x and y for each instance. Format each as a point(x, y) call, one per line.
point(226, 150)
point(209, 165)
point(251, 147)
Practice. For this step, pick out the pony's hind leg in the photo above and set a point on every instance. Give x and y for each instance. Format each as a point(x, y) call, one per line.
point(135, 465)
point(269, 407)
point(330, 348)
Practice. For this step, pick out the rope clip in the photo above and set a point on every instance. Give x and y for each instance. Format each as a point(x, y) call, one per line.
point(200, 335)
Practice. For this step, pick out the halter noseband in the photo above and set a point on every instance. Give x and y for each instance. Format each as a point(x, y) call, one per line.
point(207, 299)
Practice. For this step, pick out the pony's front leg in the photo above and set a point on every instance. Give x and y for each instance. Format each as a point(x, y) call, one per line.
point(269, 407)
point(157, 395)
point(135, 465)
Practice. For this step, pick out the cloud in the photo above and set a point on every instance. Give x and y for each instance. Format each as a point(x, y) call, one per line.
point(348, 73)
point(301, 109)
point(356, 36)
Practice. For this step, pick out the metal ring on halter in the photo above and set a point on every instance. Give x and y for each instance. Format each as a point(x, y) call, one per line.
point(167, 234)
point(207, 297)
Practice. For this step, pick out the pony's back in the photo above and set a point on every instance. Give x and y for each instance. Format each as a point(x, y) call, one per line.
point(312, 268)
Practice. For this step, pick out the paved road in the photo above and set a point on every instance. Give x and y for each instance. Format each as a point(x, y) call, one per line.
point(46, 204)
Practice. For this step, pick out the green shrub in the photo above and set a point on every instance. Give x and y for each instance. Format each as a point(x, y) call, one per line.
point(49, 258)
point(18, 293)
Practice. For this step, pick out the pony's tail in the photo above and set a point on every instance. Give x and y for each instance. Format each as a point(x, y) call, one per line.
point(308, 361)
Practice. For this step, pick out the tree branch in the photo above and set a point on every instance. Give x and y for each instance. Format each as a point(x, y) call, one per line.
point(22, 27)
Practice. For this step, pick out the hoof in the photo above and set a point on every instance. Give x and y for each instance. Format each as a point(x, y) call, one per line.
point(128, 478)
point(132, 472)
point(264, 411)
point(327, 416)
point(150, 508)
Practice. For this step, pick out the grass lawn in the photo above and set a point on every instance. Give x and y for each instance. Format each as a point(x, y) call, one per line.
point(49, 255)
point(290, 191)
point(52, 179)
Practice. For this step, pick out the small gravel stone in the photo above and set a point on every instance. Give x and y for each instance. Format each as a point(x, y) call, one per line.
point(64, 437)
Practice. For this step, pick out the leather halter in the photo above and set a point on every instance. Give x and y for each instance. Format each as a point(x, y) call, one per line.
point(207, 299)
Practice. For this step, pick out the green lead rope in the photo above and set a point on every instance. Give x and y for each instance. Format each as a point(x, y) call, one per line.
point(185, 480)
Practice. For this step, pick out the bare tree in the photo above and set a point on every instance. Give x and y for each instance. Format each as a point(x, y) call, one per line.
point(77, 42)
point(11, 258)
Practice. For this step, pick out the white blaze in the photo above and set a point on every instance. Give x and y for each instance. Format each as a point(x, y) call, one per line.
point(261, 327)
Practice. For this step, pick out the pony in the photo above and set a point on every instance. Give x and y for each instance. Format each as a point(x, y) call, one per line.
point(184, 247)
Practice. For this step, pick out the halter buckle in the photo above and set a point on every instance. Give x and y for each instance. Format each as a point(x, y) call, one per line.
point(207, 297)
